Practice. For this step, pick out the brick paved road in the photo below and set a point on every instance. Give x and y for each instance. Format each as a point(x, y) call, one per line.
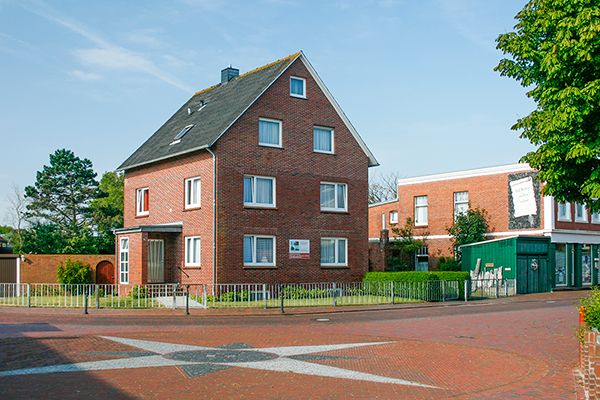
point(517, 348)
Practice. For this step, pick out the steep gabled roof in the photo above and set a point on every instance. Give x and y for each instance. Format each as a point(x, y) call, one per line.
point(213, 110)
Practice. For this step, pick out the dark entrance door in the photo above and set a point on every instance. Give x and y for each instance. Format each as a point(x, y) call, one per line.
point(532, 274)
point(105, 272)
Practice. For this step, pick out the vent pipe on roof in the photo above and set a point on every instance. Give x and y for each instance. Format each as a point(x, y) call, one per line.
point(229, 73)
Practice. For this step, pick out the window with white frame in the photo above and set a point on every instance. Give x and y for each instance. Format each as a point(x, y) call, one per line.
point(580, 212)
point(192, 251)
point(393, 217)
point(421, 210)
point(269, 132)
point(142, 196)
point(259, 251)
point(323, 140)
point(192, 192)
point(298, 87)
point(259, 191)
point(564, 211)
point(124, 260)
point(461, 203)
point(334, 252)
point(596, 218)
point(334, 197)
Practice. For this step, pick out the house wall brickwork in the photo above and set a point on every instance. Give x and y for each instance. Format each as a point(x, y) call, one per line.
point(298, 171)
point(42, 268)
point(589, 365)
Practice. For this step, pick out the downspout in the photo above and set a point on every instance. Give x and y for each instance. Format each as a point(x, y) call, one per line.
point(214, 157)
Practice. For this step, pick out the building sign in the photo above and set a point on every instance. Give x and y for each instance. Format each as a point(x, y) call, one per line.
point(299, 249)
point(523, 197)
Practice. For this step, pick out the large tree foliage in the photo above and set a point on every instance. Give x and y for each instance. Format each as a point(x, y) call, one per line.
point(555, 52)
point(405, 246)
point(62, 192)
point(107, 210)
point(468, 227)
point(383, 187)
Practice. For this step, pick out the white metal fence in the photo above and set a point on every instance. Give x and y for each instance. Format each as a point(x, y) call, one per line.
point(226, 295)
point(492, 288)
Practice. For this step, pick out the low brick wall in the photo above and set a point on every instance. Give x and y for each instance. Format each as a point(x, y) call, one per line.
point(589, 364)
point(41, 268)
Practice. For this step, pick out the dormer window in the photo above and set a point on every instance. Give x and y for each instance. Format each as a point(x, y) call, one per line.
point(298, 87)
point(181, 134)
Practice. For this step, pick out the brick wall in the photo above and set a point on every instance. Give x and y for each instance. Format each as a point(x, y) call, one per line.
point(41, 268)
point(298, 171)
point(589, 364)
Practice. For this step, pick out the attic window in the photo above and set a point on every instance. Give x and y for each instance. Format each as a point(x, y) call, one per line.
point(181, 134)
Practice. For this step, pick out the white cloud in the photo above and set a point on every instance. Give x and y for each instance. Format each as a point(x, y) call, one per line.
point(85, 76)
point(106, 54)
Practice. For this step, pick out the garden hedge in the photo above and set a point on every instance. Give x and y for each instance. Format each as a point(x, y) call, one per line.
point(420, 276)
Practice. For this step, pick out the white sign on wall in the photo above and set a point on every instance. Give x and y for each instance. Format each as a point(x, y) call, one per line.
point(299, 249)
point(523, 197)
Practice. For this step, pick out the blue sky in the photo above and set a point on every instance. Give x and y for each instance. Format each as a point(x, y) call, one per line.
point(414, 76)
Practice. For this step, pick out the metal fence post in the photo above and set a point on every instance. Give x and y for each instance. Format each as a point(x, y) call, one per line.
point(443, 290)
point(85, 299)
point(281, 296)
point(264, 290)
point(187, 300)
point(97, 296)
point(393, 291)
point(334, 293)
point(466, 294)
point(28, 295)
point(497, 288)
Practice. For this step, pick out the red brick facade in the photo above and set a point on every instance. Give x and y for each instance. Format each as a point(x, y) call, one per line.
point(298, 172)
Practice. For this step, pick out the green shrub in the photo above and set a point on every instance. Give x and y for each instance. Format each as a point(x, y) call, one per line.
point(73, 272)
point(591, 308)
point(448, 264)
point(419, 276)
point(139, 292)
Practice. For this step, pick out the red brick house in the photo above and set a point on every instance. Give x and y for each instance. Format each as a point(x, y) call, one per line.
point(512, 196)
point(259, 179)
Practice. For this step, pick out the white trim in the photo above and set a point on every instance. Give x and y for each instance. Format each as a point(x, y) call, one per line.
point(254, 263)
point(383, 202)
point(254, 204)
point(303, 87)
point(139, 201)
point(490, 234)
point(186, 192)
point(121, 239)
point(595, 218)
point(394, 220)
point(277, 121)
point(570, 215)
point(583, 218)
point(470, 173)
point(18, 267)
point(426, 206)
point(187, 240)
point(336, 252)
point(548, 213)
point(335, 197)
point(332, 139)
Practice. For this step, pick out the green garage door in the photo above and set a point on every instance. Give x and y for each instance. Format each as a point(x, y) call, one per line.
point(532, 272)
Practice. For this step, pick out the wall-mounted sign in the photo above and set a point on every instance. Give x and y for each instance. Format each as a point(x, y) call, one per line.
point(489, 265)
point(523, 197)
point(299, 249)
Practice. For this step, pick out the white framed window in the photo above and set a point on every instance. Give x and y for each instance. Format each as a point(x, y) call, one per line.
point(580, 213)
point(596, 218)
point(334, 197)
point(393, 217)
point(124, 260)
point(323, 140)
point(334, 252)
point(192, 251)
point(298, 87)
point(421, 210)
point(259, 191)
point(564, 211)
point(461, 203)
point(269, 132)
point(142, 197)
point(192, 192)
point(259, 251)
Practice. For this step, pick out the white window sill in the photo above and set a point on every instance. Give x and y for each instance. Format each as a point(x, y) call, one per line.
point(585, 221)
point(334, 265)
point(259, 266)
point(417, 225)
point(192, 265)
point(192, 206)
point(335, 210)
point(564, 219)
point(144, 214)
point(298, 96)
point(275, 146)
point(323, 152)
point(258, 205)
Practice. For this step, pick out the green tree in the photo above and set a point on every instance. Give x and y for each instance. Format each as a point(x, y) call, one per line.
point(468, 227)
point(42, 238)
point(404, 246)
point(555, 53)
point(74, 272)
point(107, 210)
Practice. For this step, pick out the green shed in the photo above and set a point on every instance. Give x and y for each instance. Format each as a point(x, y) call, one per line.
point(528, 259)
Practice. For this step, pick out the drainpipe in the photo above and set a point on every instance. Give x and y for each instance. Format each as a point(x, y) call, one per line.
point(214, 157)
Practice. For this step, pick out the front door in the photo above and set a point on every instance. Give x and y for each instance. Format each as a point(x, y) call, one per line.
point(532, 274)
point(156, 261)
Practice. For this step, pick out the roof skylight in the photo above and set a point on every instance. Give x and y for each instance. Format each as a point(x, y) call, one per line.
point(181, 134)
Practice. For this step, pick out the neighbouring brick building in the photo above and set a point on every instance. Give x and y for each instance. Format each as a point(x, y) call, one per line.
point(512, 196)
point(259, 179)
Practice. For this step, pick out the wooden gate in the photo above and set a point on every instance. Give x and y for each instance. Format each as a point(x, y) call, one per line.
point(532, 273)
point(8, 269)
point(105, 272)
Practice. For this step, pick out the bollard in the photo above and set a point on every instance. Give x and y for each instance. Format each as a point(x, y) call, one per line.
point(174, 296)
point(85, 300)
point(466, 294)
point(29, 295)
point(187, 300)
point(281, 296)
